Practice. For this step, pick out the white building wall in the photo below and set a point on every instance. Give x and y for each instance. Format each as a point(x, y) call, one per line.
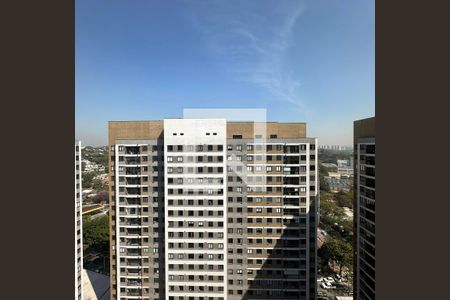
point(78, 224)
point(195, 132)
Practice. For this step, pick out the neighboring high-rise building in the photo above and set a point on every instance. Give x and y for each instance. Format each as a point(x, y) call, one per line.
point(205, 209)
point(78, 225)
point(364, 209)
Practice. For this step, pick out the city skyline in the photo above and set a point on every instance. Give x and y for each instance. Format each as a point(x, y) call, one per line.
point(303, 61)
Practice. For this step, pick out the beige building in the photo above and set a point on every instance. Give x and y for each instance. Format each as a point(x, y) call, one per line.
point(206, 209)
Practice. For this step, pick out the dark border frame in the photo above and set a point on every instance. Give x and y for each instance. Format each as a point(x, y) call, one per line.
point(38, 133)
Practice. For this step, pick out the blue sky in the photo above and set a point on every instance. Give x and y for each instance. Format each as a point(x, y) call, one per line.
point(309, 61)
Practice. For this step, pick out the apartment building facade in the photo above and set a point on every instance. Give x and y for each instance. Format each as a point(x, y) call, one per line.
point(364, 212)
point(205, 209)
point(78, 224)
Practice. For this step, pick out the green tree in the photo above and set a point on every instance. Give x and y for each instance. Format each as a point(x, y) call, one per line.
point(330, 212)
point(96, 234)
point(337, 251)
point(324, 186)
point(344, 199)
point(333, 219)
point(98, 185)
point(88, 178)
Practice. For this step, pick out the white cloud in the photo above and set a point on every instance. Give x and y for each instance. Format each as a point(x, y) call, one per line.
point(253, 45)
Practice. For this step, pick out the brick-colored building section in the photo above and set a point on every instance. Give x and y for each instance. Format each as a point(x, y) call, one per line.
point(282, 130)
point(130, 130)
point(154, 129)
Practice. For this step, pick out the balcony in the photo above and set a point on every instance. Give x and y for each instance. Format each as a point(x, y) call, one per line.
point(129, 160)
point(291, 181)
point(131, 242)
point(130, 181)
point(132, 283)
point(291, 171)
point(133, 262)
point(131, 272)
point(132, 150)
point(130, 222)
point(130, 191)
point(133, 252)
point(134, 293)
point(131, 232)
point(291, 160)
point(132, 171)
point(130, 202)
point(292, 149)
point(291, 192)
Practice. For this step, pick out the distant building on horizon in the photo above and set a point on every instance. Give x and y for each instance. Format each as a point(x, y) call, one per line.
point(345, 167)
point(78, 224)
point(336, 147)
point(336, 183)
point(206, 209)
point(330, 167)
point(364, 209)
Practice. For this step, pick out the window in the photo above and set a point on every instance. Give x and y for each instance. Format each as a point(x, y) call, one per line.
point(237, 136)
point(180, 158)
point(273, 136)
point(169, 158)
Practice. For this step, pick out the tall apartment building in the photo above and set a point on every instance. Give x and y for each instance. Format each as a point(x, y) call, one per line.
point(78, 225)
point(364, 212)
point(205, 209)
